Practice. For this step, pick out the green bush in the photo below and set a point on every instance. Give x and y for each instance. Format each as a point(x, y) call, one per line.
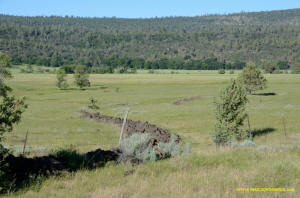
point(170, 149)
point(140, 146)
point(230, 114)
point(221, 71)
point(93, 104)
point(252, 78)
point(81, 76)
point(151, 71)
point(61, 77)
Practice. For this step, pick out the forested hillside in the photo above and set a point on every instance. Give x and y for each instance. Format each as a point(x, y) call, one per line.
point(202, 42)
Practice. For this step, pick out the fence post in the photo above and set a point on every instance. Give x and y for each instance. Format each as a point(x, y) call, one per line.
point(123, 127)
point(25, 142)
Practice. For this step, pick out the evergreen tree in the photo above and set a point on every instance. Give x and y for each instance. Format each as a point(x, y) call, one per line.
point(252, 78)
point(230, 114)
point(81, 77)
point(10, 107)
point(11, 110)
point(61, 79)
point(269, 67)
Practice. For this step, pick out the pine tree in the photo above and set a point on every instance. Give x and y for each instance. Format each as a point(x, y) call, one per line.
point(10, 107)
point(61, 79)
point(230, 114)
point(81, 77)
point(252, 78)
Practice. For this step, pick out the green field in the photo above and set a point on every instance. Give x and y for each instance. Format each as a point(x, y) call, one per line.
point(53, 122)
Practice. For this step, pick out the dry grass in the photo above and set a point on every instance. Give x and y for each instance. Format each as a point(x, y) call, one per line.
point(54, 122)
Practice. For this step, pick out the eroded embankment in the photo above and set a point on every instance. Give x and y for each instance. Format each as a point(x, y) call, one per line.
point(22, 169)
point(158, 134)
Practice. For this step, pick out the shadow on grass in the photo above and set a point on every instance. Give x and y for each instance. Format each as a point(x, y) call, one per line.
point(259, 132)
point(265, 94)
point(23, 172)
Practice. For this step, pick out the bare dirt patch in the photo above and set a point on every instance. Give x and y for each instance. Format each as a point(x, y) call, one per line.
point(158, 134)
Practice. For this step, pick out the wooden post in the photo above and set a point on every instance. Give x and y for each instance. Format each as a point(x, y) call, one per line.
point(25, 142)
point(284, 128)
point(249, 125)
point(123, 127)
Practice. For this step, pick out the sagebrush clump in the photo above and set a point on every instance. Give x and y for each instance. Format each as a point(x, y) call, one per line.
point(140, 146)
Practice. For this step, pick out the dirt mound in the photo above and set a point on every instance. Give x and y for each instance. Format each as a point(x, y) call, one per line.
point(181, 101)
point(23, 169)
point(158, 134)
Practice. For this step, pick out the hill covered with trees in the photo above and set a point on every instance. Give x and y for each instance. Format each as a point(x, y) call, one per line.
point(201, 42)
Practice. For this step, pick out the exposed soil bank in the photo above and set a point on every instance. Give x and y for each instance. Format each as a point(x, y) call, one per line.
point(23, 170)
point(158, 134)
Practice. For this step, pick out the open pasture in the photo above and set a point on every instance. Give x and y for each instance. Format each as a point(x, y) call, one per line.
point(53, 121)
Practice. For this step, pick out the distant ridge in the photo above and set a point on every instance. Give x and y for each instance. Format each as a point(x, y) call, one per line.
point(55, 41)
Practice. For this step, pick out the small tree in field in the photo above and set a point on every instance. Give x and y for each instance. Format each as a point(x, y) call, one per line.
point(230, 114)
point(61, 82)
point(296, 67)
point(81, 77)
point(269, 67)
point(252, 78)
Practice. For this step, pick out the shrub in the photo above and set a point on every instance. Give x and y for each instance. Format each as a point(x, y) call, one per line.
point(61, 79)
point(221, 71)
point(122, 70)
point(230, 114)
point(277, 71)
point(132, 71)
point(170, 149)
point(252, 78)
point(140, 146)
point(81, 77)
point(93, 104)
point(269, 67)
point(151, 71)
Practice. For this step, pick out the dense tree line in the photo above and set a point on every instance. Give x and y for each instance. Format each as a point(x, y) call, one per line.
point(185, 42)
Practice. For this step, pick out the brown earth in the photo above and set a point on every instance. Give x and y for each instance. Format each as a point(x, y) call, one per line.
point(158, 134)
point(23, 170)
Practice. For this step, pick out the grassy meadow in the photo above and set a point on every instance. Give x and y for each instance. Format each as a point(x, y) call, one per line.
point(53, 122)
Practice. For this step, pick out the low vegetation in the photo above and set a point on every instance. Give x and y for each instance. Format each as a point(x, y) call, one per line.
point(81, 77)
point(267, 149)
point(230, 115)
point(252, 78)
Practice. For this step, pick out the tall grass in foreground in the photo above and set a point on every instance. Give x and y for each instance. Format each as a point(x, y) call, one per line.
point(217, 174)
